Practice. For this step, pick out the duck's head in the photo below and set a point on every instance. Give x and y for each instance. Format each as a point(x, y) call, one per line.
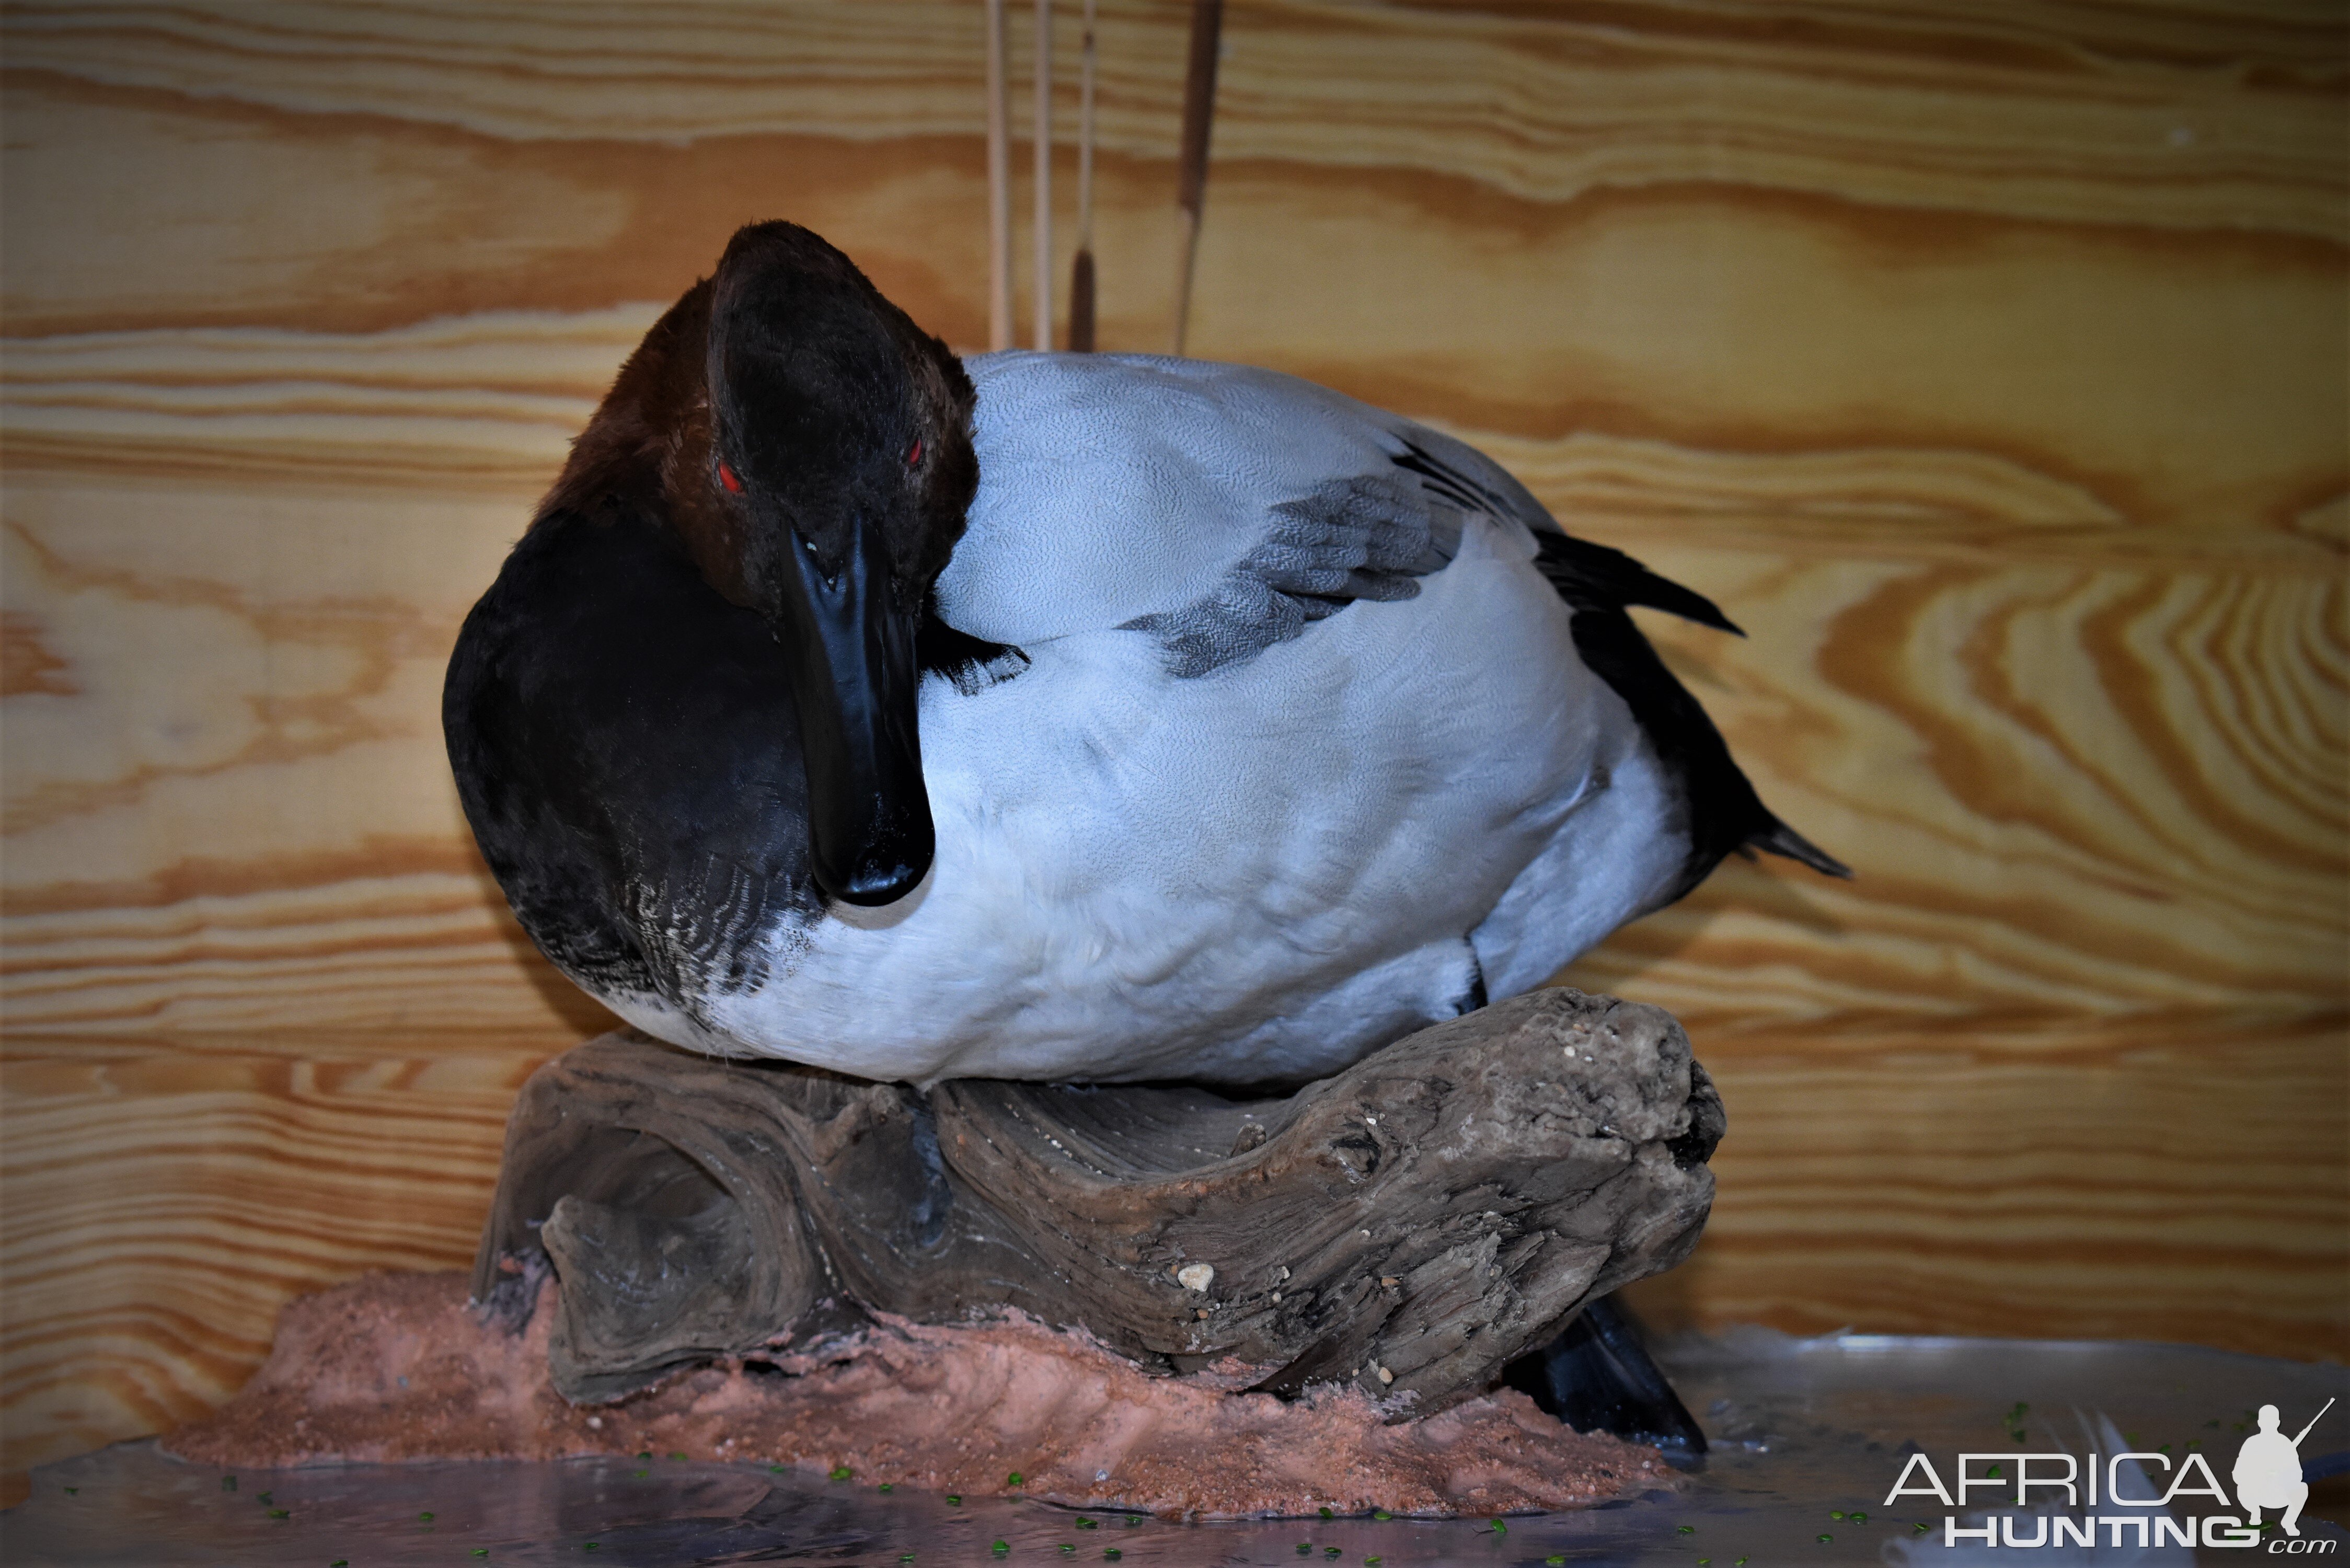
point(817, 461)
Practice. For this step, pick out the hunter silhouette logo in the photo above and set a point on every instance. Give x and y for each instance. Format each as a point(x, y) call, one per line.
point(2268, 1471)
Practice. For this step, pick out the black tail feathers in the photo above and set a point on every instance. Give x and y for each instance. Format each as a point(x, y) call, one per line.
point(1596, 576)
point(1780, 839)
point(1725, 815)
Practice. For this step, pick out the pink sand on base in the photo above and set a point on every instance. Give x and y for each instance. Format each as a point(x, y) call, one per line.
point(397, 1368)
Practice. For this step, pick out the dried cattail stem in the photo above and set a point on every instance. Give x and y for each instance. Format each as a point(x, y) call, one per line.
point(1042, 269)
point(1081, 271)
point(999, 186)
point(1199, 115)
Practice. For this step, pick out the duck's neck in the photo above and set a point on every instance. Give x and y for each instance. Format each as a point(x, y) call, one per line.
point(645, 455)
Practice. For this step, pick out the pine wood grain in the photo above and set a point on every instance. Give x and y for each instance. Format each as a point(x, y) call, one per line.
point(2178, 1180)
point(166, 1195)
point(1986, 364)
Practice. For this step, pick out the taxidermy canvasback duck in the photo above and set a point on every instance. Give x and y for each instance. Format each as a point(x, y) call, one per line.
point(1067, 716)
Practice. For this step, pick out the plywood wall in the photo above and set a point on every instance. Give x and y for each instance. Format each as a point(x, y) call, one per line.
point(1988, 364)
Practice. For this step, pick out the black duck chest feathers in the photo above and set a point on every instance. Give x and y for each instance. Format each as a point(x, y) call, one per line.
point(627, 751)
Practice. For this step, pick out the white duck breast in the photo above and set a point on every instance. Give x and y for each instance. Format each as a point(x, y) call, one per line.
point(1305, 755)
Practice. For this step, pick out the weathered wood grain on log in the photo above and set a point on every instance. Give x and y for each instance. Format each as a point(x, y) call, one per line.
point(1412, 1224)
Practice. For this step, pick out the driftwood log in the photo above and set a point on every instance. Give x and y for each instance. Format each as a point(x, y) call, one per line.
point(1411, 1224)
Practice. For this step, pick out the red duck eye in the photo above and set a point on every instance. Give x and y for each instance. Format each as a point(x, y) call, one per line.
point(915, 455)
point(726, 477)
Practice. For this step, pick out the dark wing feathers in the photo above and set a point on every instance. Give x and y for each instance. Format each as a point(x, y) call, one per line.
point(1365, 536)
point(1725, 815)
